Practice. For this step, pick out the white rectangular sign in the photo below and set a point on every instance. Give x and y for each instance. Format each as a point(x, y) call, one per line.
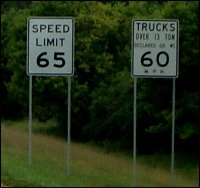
point(50, 42)
point(155, 48)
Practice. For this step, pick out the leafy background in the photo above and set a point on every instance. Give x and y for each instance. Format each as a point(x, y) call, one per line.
point(102, 86)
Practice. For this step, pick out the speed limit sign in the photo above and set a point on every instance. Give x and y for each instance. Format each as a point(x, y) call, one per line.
point(155, 48)
point(50, 46)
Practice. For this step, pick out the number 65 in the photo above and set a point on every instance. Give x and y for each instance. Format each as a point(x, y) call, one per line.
point(43, 62)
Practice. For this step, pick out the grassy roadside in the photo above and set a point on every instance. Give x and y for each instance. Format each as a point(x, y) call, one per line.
point(89, 166)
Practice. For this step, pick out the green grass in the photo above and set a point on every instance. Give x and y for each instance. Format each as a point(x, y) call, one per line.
point(89, 167)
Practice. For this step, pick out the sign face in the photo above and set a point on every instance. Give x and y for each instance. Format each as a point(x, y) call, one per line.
point(50, 42)
point(155, 48)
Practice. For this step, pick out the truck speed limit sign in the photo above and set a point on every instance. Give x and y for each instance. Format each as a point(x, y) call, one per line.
point(155, 48)
point(50, 42)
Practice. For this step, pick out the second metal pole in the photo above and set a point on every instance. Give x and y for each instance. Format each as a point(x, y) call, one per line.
point(68, 126)
point(173, 131)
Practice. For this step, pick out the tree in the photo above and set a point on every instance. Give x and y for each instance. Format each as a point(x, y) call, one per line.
point(102, 87)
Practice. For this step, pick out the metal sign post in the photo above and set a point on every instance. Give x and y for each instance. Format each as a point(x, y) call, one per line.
point(154, 55)
point(134, 131)
point(30, 121)
point(50, 52)
point(68, 126)
point(173, 131)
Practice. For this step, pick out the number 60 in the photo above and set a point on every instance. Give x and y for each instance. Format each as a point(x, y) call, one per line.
point(147, 62)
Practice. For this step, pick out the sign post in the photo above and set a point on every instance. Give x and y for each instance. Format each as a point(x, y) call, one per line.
point(154, 55)
point(50, 52)
point(30, 120)
point(69, 126)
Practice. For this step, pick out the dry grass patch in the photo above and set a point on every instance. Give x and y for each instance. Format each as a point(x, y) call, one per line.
point(89, 166)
